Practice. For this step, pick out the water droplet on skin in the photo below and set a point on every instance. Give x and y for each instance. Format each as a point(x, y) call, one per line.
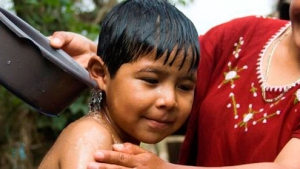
point(8, 62)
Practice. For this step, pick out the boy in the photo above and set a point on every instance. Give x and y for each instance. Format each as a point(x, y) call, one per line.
point(146, 73)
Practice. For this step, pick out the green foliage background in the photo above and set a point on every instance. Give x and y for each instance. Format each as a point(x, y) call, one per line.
point(27, 135)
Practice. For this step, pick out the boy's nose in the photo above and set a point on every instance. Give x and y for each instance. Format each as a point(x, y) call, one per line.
point(167, 99)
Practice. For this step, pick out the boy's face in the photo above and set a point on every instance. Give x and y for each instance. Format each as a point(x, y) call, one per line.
point(148, 100)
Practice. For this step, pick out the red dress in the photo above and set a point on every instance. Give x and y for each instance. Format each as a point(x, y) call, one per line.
point(230, 123)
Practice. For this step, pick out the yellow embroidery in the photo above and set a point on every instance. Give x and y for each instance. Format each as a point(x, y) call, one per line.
point(265, 117)
point(253, 90)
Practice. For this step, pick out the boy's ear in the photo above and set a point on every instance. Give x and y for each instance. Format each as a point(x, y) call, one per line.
point(98, 71)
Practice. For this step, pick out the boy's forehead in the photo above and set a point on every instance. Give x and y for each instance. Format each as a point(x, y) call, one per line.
point(173, 58)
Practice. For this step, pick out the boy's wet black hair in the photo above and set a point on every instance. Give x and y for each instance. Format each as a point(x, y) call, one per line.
point(135, 28)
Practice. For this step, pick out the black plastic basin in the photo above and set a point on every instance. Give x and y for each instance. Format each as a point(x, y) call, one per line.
point(45, 78)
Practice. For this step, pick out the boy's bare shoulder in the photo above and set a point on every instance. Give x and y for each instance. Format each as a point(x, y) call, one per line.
point(77, 144)
point(88, 130)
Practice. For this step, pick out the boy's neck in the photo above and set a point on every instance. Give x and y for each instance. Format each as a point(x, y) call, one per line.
point(119, 135)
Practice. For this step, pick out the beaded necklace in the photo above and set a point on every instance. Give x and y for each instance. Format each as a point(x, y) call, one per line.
point(263, 87)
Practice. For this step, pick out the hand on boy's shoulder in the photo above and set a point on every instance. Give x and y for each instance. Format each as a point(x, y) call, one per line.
point(77, 144)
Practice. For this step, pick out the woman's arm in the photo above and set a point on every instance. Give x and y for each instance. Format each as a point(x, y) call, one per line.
point(131, 156)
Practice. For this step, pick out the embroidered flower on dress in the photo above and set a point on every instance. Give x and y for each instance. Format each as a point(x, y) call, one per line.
point(251, 116)
point(247, 117)
point(297, 98)
point(231, 75)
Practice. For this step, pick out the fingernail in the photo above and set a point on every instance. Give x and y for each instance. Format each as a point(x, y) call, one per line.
point(99, 154)
point(92, 166)
point(118, 146)
point(56, 40)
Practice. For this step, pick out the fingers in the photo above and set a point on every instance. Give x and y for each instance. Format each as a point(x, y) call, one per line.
point(127, 156)
point(61, 38)
point(80, 48)
point(129, 148)
point(64, 39)
point(73, 43)
point(117, 158)
point(95, 165)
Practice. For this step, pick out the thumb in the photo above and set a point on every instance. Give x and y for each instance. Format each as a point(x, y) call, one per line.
point(61, 38)
point(56, 40)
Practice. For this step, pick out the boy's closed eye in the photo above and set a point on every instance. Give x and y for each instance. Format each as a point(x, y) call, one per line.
point(186, 87)
point(150, 80)
point(183, 87)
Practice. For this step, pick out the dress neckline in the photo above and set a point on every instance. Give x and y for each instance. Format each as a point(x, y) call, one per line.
point(262, 54)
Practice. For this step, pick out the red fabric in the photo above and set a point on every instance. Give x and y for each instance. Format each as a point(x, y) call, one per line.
point(216, 134)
